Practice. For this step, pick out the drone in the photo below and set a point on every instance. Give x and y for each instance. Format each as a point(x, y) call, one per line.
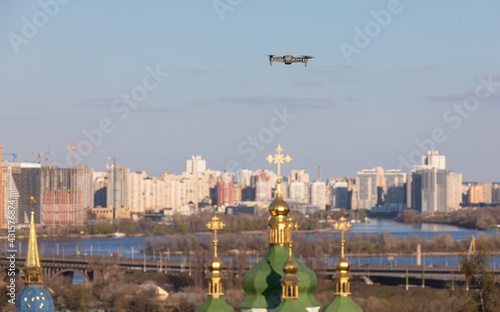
point(288, 59)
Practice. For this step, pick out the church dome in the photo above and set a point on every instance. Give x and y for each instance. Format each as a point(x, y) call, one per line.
point(34, 298)
point(279, 207)
point(342, 265)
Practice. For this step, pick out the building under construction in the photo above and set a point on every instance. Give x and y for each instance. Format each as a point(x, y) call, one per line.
point(59, 196)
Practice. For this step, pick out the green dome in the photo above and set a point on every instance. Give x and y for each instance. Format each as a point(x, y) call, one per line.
point(342, 304)
point(213, 304)
point(290, 306)
point(262, 284)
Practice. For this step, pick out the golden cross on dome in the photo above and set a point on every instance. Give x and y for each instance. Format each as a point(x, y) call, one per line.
point(215, 225)
point(342, 225)
point(279, 159)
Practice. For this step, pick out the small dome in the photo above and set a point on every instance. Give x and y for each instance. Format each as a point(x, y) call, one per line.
point(279, 207)
point(290, 267)
point(342, 265)
point(215, 265)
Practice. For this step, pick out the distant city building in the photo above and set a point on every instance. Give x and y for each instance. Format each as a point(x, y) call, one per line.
point(100, 179)
point(428, 184)
point(225, 188)
point(118, 190)
point(378, 187)
point(234, 210)
point(340, 195)
point(196, 164)
point(298, 175)
point(244, 177)
point(369, 182)
point(434, 160)
point(65, 194)
point(479, 192)
point(263, 181)
point(318, 194)
point(297, 191)
point(20, 182)
point(453, 190)
point(495, 193)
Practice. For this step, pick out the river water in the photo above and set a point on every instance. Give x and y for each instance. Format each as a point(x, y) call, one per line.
point(131, 246)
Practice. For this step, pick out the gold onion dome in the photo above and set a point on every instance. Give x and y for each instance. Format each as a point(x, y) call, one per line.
point(279, 207)
point(215, 265)
point(290, 267)
point(342, 265)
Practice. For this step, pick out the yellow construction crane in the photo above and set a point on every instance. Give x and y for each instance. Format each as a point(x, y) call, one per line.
point(40, 154)
point(74, 146)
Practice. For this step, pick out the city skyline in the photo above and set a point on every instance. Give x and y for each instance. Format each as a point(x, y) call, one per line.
point(156, 83)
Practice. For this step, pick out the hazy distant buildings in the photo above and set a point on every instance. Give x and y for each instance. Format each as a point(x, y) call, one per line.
point(428, 184)
point(196, 164)
point(318, 194)
point(225, 188)
point(65, 194)
point(453, 190)
point(20, 182)
point(118, 190)
point(381, 188)
point(263, 181)
point(495, 193)
point(340, 195)
point(100, 179)
point(244, 177)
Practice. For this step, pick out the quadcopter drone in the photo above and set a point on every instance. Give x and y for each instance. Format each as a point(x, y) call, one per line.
point(288, 59)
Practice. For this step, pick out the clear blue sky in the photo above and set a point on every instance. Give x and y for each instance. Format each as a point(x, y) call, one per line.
point(62, 77)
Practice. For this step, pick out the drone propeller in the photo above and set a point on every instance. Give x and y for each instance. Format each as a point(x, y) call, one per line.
point(270, 55)
point(307, 57)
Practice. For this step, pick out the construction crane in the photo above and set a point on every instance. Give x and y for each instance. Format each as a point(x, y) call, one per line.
point(40, 154)
point(74, 146)
point(14, 156)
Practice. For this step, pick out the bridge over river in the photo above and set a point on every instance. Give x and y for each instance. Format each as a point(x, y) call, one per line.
point(65, 266)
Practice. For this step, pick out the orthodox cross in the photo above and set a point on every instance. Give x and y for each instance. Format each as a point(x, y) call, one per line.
point(342, 225)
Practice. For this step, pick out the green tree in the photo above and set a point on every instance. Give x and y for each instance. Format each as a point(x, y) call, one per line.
point(482, 282)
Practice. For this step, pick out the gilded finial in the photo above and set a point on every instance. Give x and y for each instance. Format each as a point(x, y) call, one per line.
point(214, 224)
point(215, 267)
point(342, 225)
point(278, 159)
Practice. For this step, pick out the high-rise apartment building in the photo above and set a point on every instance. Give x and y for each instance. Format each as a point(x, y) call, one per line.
point(196, 164)
point(370, 187)
point(340, 195)
point(225, 188)
point(318, 194)
point(433, 160)
point(22, 186)
point(118, 190)
point(428, 189)
point(263, 181)
point(100, 179)
point(244, 177)
point(453, 190)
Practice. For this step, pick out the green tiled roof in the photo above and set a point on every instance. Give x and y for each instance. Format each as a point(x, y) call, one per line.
point(213, 304)
point(342, 304)
point(262, 282)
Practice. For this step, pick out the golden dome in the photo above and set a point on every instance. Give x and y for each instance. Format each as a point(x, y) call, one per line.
point(290, 267)
point(215, 265)
point(279, 207)
point(342, 265)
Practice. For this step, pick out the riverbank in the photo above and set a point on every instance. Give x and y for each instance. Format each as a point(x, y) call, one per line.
point(469, 218)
